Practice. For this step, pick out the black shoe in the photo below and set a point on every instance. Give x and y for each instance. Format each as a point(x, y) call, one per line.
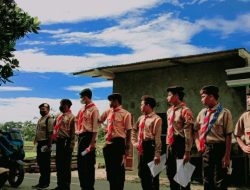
point(56, 188)
point(35, 186)
point(40, 187)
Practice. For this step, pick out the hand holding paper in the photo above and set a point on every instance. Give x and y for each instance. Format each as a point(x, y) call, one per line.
point(184, 172)
point(156, 169)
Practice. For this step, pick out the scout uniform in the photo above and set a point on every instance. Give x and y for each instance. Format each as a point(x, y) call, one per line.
point(44, 130)
point(86, 125)
point(242, 127)
point(214, 125)
point(64, 135)
point(147, 133)
point(119, 122)
point(179, 139)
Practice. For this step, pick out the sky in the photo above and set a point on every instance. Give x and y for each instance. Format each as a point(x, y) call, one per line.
point(77, 35)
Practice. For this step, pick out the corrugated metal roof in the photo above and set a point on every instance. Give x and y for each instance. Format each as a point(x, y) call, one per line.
point(109, 72)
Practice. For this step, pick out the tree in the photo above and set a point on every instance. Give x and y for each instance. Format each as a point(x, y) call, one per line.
point(27, 128)
point(14, 24)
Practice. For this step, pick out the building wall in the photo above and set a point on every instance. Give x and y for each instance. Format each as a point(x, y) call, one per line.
point(132, 85)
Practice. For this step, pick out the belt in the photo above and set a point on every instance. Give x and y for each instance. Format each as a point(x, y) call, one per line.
point(148, 142)
point(215, 145)
point(63, 138)
point(85, 134)
point(118, 139)
point(42, 141)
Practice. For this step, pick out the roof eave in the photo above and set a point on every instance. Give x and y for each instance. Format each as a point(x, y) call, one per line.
point(108, 72)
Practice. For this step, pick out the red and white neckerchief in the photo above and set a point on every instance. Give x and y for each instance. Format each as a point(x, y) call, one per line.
point(58, 124)
point(170, 134)
point(204, 127)
point(141, 135)
point(111, 121)
point(81, 116)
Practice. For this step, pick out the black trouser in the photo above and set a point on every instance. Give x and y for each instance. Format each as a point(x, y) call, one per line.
point(86, 164)
point(113, 155)
point(148, 182)
point(3, 178)
point(63, 163)
point(174, 152)
point(213, 174)
point(43, 161)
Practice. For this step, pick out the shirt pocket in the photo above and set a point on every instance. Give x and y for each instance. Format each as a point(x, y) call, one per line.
point(66, 121)
point(119, 120)
point(42, 127)
point(175, 124)
point(87, 117)
point(218, 126)
point(149, 129)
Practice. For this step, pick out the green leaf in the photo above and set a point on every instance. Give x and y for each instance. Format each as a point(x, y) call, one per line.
point(14, 24)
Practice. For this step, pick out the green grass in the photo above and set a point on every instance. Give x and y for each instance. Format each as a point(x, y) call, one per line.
point(30, 152)
point(28, 143)
point(29, 149)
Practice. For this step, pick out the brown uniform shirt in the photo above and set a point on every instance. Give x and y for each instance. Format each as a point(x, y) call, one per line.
point(182, 124)
point(152, 131)
point(122, 122)
point(67, 127)
point(90, 122)
point(221, 128)
point(43, 129)
point(242, 127)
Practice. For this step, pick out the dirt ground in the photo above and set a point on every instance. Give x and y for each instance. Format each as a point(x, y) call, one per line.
point(130, 176)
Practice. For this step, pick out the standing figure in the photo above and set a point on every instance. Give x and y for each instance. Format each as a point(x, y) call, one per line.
point(86, 129)
point(44, 129)
point(117, 141)
point(213, 138)
point(146, 137)
point(179, 134)
point(64, 136)
point(242, 128)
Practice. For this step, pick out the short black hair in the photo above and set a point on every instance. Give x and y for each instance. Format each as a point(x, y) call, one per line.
point(86, 92)
point(248, 92)
point(115, 96)
point(67, 102)
point(177, 90)
point(210, 90)
point(44, 105)
point(149, 100)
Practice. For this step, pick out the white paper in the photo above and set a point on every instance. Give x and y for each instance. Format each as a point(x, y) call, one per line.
point(156, 169)
point(43, 148)
point(53, 147)
point(184, 172)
